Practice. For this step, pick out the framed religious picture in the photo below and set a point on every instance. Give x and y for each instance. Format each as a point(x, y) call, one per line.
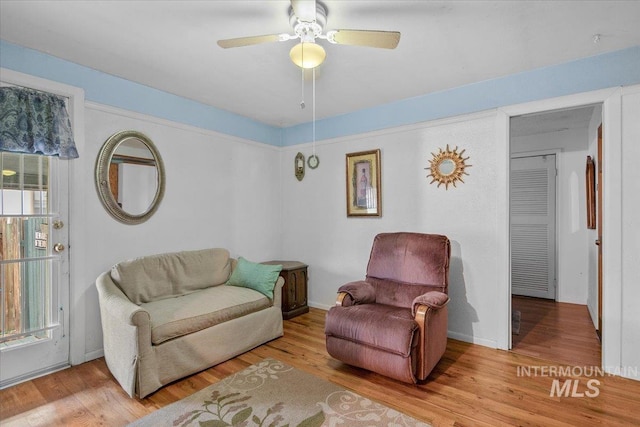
point(363, 184)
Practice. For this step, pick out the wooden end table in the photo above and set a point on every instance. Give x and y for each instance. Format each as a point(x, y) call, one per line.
point(294, 291)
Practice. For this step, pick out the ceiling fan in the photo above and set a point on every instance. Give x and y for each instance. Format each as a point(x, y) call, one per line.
point(308, 19)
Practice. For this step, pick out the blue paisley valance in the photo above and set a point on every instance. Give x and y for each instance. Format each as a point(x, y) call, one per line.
point(35, 122)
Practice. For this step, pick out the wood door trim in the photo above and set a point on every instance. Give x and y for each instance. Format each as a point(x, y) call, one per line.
point(113, 180)
point(599, 191)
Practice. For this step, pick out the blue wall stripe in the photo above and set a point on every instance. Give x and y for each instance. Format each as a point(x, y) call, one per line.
point(620, 68)
point(117, 92)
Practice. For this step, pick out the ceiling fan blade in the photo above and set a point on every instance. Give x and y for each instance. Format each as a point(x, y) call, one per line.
point(247, 41)
point(383, 39)
point(305, 10)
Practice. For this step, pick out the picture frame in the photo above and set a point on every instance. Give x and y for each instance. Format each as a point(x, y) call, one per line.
point(363, 184)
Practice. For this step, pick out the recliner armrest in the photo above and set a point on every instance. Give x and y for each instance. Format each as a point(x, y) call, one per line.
point(433, 299)
point(354, 293)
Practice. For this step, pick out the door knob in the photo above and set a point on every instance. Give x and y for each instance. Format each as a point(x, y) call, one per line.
point(58, 247)
point(598, 242)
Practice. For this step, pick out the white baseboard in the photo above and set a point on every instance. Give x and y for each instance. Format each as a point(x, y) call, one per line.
point(93, 355)
point(32, 375)
point(320, 306)
point(471, 339)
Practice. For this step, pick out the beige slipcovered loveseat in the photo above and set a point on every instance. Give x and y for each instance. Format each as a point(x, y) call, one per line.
point(170, 315)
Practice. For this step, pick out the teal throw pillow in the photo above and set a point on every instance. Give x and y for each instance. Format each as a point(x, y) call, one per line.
point(259, 277)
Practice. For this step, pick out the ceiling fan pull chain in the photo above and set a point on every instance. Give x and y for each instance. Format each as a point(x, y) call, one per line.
point(302, 81)
point(313, 102)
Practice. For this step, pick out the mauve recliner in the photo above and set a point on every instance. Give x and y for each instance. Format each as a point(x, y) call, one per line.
point(395, 321)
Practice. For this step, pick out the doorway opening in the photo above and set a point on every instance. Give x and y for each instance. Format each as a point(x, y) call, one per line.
point(554, 268)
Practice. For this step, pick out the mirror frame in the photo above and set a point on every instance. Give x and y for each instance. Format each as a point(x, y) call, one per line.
point(102, 177)
point(458, 169)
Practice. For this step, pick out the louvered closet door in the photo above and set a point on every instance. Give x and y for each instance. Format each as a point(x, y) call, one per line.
point(533, 246)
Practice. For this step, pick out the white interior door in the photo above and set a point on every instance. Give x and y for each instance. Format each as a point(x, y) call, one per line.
point(533, 226)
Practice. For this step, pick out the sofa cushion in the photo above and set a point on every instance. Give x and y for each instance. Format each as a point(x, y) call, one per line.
point(169, 275)
point(260, 277)
point(175, 317)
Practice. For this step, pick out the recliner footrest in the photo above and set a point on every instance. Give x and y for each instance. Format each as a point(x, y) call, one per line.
point(384, 327)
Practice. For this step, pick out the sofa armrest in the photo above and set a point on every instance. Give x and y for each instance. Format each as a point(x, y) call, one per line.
point(126, 332)
point(277, 292)
point(434, 300)
point(354, 293)
point(117, 304)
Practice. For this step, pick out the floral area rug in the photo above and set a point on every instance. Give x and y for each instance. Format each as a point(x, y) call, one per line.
point(273, 394)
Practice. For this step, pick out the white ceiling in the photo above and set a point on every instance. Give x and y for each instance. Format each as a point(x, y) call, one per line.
point(171, 45)
point(552, 121)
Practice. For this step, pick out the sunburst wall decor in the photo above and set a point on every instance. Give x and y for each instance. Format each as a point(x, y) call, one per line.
point(447, 167)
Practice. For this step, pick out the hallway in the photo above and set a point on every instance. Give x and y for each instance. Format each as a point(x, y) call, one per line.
point(559, 332)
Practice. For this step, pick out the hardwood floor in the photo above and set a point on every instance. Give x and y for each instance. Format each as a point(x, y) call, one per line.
point(559, 332)
point(471, 386)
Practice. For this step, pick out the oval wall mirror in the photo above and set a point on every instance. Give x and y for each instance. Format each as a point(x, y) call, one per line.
point(130, 177)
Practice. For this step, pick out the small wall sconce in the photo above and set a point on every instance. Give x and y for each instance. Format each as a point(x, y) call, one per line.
point(299, 166)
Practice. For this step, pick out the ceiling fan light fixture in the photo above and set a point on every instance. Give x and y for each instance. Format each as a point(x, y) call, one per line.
point(307, 55)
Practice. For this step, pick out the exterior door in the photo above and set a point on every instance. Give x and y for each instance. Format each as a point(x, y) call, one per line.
point(34, 266)
point(533, 226)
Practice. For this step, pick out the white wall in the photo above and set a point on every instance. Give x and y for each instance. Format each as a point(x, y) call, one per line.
point(571, 220)
point(220, 192)
point(317, 231)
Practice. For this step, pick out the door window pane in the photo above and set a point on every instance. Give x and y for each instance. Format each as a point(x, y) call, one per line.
point(26, 263)
point(24, 184)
